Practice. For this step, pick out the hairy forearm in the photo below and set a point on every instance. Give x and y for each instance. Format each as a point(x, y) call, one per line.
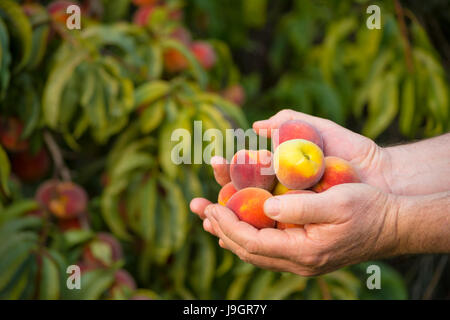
point(423, 224)
point(420, 168)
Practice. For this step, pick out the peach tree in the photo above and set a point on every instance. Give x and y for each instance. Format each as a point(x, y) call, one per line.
point(86, 177)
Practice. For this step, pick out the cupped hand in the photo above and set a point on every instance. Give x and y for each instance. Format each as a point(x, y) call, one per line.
point(346, 224)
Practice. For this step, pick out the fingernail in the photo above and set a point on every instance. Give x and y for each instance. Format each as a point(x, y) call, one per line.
point(272, 207)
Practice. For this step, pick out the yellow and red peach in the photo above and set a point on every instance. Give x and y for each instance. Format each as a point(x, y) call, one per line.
point(337, 171)
point(10, 134)
point(65, 200)
point(225, 193)
point(280, 189)
point(252, 168)
point(204, 53)
point(297, 129)
point(58, 10)
point(174, 60)
point(30, 167)
point(299, 164)
point(248, 205)
point(102, 251)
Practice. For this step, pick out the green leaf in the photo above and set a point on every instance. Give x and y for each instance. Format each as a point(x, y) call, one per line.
point(152, 116)
point(5, 169)
point(204, 265)
point(20, 29)
point(49, 288)
point(284, 287)
point(57, 80)
point(93, 284)
point(150, 92)
point(407, 107)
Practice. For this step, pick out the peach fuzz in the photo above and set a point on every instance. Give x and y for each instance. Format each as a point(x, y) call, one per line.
point(248, 205)
point(298, 129)
point(337, 171)
point(252, 168)
point(226, 193)
point(299, 164)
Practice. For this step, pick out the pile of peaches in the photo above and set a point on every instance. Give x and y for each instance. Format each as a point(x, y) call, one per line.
point(298, 165)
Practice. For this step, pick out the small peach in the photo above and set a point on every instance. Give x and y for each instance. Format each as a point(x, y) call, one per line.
point(225, 193)
point(337, 171)
point(252, 168)
point(248, 205)
point(299, 164)
point(298, 129)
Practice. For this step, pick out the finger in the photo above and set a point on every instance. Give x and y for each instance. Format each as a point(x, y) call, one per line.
point(265, 127)
point(221, 170)
point(267, 242)
point(274, 264)
point(207, 226)
point(302, 208)
point(198, 206)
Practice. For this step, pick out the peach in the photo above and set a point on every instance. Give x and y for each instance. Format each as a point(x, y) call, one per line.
point(280, 189)
point(225, 193)
point(252, 168)
point(297, 129)
point(69, 224)
point(248, 205)
point(65, 200)
point(144, 2)
point(123, 286)
point(30, 167)
point(235, 94)
point(337, 171)
point(57, 10)
point(10, 134)
point(299, 164)
point(204, 53)
point(103, 251)
point(174, 60)
point(183, 35)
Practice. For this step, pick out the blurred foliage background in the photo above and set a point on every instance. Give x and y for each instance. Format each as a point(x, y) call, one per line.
point(86, 117)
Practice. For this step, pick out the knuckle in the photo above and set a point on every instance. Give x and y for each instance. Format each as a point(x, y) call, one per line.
point(251, 246)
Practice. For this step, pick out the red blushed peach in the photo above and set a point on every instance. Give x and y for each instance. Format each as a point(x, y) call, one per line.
point(10, 135)
point(57, 10)
point(252, 168)
point(248, 205)
point(65, 200)
point(142, 15)
point(299, 164)
point(69, 224)
point(204, 53)
point(175, 61)
point(226, 193)
point(297, 129)
point(337, 171)
point(235, 94)
point(30, 167)
point(103, 251)
point(144, 2)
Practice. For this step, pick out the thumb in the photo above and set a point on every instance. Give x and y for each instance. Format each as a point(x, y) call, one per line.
point(300, 208)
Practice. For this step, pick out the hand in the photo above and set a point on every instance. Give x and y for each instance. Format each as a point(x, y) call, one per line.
point(371, 161)
point(346, 224)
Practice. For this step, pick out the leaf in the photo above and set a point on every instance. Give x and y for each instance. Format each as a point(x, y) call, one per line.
point(383, 106)
point(178, 211)
point(76, 237)
point(20, 29)
point(150, 92)
point(287, 285)
point(198, 72)
point(93, 284)
point(49, 288)
point(407, 107)
point(5, 169)
point(260, 284)
point(57, 80)
point(204, 265)
point(152, 116)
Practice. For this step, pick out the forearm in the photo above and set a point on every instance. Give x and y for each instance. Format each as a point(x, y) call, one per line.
point(419, 168)
point(422, 224)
